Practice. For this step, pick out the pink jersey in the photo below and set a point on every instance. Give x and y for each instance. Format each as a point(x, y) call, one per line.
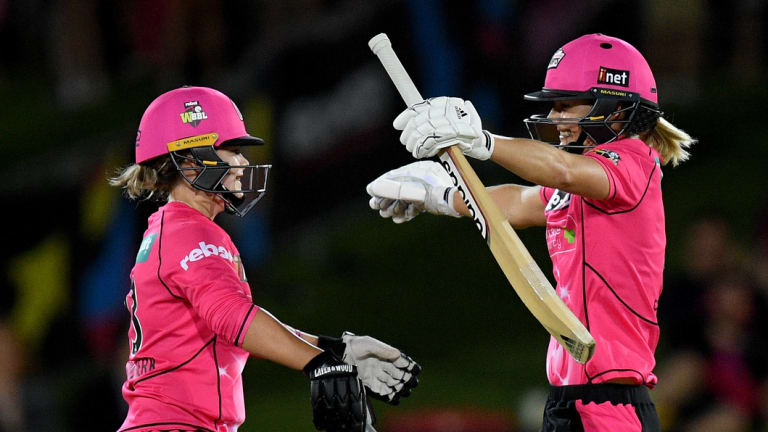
point(608, 258)
point(190, 307)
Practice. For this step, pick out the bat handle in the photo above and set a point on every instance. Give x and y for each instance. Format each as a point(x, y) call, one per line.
point(382, 47)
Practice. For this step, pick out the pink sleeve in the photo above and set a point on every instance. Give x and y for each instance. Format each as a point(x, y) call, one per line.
point(202, 269)
point(546, 194)
point(628, 175)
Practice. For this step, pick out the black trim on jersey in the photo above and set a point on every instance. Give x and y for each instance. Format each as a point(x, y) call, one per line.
point(179, 366)
point(625, 394)
point(167, 424)
point(617, 296)
point(242, 326)
point(630, 209)
point(160, 257)
point(218, 379)
point(642, 378)
point(583, 268)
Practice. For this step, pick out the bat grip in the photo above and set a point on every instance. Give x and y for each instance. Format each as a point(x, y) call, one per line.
point(382, 47)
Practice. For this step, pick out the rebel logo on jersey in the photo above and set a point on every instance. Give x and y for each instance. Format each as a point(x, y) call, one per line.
point(193, 113)
point(204, 251)
point(613, 77)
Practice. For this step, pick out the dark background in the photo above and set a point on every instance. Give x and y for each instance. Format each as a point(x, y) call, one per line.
point(75, 77)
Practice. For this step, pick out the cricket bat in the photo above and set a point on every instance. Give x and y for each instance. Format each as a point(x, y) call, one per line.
point(509, 251)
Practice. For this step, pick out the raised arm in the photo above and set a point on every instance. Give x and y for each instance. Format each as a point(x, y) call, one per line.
point(546, 165)
point(520, 205)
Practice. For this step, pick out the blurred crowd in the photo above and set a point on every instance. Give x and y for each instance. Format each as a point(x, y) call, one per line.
point(713, 368)
point(75, 76)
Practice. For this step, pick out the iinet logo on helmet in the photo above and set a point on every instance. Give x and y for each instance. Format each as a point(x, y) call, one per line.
point(613, 77)
point(204, 251)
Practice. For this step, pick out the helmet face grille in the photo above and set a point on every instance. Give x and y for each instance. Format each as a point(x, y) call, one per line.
point(599, 125)
point(204, 170)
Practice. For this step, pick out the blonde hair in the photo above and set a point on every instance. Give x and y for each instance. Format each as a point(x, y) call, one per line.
point(143, 182)
point(671, 142)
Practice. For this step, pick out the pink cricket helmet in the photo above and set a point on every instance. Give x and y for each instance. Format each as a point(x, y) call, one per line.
point(593, 62)
point(613, 74)
point(190, 112)
point(189, 124)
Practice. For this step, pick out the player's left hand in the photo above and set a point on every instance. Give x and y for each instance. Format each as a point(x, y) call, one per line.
point(338, 396)
point(387, 372)
point(436, 123)
point(404, 193)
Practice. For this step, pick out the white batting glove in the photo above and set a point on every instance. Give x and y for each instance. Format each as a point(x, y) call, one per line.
point(436, 123)
point(406, 192)
point(388, 373)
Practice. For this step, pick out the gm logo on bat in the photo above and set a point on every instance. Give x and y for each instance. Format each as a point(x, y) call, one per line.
point(477, 216)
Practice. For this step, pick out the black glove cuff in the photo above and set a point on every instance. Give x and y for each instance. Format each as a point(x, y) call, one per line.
point(325, 358)
point(332, 344)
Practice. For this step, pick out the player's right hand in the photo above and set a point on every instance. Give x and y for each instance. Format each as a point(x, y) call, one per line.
point(405, 192)
point(441, 122)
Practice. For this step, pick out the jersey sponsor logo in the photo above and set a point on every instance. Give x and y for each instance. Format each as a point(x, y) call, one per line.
point(613, 76)
point(608, 154)
point(570, 235)
point(204, 251)
point(145, 248)
point(559, 200)
point(193, 114)
point(556, 59)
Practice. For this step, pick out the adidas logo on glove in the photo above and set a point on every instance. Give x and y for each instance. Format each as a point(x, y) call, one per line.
point(460, 113)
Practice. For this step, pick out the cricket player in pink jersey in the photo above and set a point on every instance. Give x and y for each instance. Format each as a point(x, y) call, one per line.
point(193, 320)
point(595, 161)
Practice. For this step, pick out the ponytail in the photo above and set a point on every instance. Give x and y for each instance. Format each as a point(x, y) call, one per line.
point(144, 182)
point(671, 142)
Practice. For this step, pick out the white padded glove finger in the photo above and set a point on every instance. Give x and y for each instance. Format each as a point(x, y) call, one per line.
point(423, 184)
point(362, 347)
point(400, 211)
point(434, 124)
point(384, 369)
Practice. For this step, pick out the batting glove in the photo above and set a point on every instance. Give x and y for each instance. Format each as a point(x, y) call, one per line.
point(406, 192)
point(338, 396)
point(385, 371)
point(434, 124)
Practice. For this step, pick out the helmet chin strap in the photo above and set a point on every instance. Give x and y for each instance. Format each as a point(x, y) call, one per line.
point(578, 146)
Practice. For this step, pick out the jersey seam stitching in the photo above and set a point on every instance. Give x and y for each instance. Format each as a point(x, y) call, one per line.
point(160, 258)
point(610, 213)
point(655, 323)
point(242, 326)
point(166, 423)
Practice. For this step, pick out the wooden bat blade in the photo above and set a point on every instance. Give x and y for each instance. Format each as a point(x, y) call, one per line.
point(520, 269)
point(515, 261)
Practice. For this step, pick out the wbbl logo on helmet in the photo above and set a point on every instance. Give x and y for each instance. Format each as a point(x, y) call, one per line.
point(193, 113)
point(556, 58)
point(613, 77)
